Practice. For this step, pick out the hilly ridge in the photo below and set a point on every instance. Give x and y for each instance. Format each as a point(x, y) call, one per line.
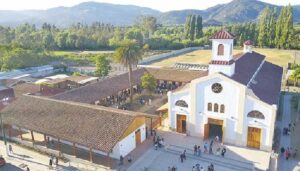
point(88, 12)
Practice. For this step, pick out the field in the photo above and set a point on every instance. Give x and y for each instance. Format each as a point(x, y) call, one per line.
point(276, 56)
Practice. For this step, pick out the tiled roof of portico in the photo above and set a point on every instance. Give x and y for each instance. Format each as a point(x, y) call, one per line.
point(90, 125)
point(102, 89)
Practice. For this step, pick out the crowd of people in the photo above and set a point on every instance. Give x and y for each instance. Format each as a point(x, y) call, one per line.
point(158, 141)
point(288, 152)
point(287, 130)
point(120, 98)
point(164, 87)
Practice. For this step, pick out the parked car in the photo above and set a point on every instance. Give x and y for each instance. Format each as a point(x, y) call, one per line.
point(2, 161)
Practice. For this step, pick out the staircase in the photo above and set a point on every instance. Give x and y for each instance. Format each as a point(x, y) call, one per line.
point(233, 164)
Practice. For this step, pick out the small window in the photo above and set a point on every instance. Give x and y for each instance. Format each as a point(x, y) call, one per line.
point(216, 107)
point(256, 114)
point(222, 109)
point(181, 103)
point(209, 106)
point(221, 50)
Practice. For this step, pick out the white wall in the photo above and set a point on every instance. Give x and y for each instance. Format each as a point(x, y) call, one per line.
point(264, 124)
point(225, 69)
point(228, 44)
point(229, 97)
point(126, 145)
point(177, 109)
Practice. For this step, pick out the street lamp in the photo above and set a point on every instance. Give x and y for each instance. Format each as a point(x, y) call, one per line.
point(4, 101)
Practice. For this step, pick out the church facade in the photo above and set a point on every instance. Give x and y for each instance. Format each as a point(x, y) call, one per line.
point(236, 100)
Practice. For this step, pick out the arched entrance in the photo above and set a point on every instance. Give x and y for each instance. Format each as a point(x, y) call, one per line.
point(213, 128)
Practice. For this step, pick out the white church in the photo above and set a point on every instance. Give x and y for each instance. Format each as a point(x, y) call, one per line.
point(236, 100)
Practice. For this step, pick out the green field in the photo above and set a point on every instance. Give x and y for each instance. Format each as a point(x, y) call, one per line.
point(276, 56)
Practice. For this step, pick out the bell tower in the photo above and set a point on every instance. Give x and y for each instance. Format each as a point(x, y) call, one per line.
point(222, 57)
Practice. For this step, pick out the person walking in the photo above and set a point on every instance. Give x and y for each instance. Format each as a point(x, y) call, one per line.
point(121, 160)
point(205, 147)
point(10, 149)
point(181, 158)
point(50, 163)
point(199, 151)
point(223, 152)
point(27, 169)
point(195, 150)
point(56, 161)
point(286, 154)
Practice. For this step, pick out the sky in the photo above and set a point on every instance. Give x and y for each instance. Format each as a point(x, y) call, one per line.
point(161, 5)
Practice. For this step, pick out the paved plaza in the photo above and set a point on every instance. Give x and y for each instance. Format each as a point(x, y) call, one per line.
point(285, 141)
point(159, 160)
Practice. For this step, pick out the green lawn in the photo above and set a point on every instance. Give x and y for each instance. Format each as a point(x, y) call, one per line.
point(276, 56)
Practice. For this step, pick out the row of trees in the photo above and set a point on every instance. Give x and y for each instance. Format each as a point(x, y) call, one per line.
point(276, 31)
point(193, 27)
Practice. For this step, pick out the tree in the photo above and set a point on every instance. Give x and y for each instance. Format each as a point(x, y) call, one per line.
point(148, 25)
point(128, 54)
point(192, 29)
point(134, 34)
point(199, 32)
point(102, 66)
point(263, 27)
point(148, 82)
point(272, 28)
point(296, 75)
point(187, 27)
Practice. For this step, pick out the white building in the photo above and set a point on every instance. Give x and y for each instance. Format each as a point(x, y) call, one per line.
point(236, 101)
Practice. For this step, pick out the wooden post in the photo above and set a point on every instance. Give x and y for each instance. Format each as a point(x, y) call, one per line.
point(91, 155)
point(109, 160)
point(58, 146)
point(9, 132)
point(151, 128)
point(20, 133)
point(45, 140)
point(32, 136)
point(74, 149)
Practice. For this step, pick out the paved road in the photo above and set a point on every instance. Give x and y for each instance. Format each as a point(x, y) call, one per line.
point(285, 141)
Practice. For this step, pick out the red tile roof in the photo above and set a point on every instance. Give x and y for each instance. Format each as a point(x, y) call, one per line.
point(99, 90)
point(248, 42)
point(90, 125)
point(223, 34)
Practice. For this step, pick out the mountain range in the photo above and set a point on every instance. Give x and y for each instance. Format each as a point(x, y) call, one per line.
point(236, 11)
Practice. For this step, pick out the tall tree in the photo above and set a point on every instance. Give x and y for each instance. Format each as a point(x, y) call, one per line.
point(199, 26)
point(148, 25)
point(263, 27)
point(128, 54)
point(192, 29)
point(187, 27)
point(272, 28)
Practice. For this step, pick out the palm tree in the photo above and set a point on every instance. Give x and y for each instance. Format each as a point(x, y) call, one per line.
point(128, 54)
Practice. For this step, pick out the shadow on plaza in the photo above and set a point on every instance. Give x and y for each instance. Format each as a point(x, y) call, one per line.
point(10, 167)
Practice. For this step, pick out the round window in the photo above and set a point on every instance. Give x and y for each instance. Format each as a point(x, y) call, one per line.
point(216, 88)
